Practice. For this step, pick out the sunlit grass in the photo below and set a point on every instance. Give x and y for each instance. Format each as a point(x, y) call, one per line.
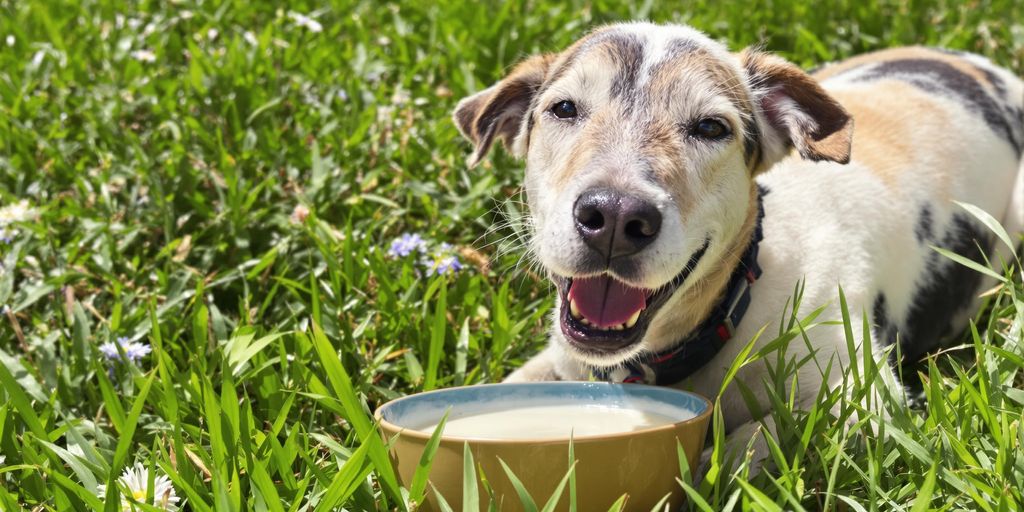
point(222, 182)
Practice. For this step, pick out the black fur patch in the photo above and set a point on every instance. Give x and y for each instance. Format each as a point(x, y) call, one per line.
point(531, 120)
point(677, 47)
point(949, 288)
point(923, 229)
point(997, 83)
point(751, 143)
point(627, 53)
point(940, 77)
point(885, 329)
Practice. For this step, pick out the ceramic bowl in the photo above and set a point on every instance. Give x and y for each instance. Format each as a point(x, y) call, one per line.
point(641, 463)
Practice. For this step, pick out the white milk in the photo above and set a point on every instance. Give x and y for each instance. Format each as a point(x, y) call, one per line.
point(553, 421)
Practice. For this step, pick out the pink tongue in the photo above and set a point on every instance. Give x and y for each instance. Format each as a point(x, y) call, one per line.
point(604, 301)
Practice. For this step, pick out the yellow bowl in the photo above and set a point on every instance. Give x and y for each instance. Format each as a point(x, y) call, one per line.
point(642, 464)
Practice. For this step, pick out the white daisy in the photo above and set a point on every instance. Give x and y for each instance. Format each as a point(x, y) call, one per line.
point(17, 212)
point(134, 482)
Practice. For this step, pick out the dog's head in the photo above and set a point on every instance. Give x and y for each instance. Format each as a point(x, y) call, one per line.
point(641, 142)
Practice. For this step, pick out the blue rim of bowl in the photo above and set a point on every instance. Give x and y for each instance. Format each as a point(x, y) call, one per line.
point(418, 434)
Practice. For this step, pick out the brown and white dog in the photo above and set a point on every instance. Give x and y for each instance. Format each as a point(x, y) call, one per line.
point(652, 152)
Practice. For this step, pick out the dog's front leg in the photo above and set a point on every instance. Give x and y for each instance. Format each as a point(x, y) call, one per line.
point(550, 364)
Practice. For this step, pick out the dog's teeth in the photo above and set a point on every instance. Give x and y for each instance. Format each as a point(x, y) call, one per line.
point(632, 320)
point(584, 320)
point(574, 309)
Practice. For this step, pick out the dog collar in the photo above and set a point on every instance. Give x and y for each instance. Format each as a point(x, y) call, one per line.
point(698, 348)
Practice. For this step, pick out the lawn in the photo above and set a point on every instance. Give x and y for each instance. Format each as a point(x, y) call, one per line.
point(203, 273)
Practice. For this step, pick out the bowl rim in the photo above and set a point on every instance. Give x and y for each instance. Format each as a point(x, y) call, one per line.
point(386, 425)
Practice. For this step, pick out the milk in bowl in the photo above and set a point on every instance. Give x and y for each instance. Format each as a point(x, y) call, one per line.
point(625, 439)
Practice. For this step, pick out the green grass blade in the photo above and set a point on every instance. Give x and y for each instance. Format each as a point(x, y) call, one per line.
point(470, 490)
point(346, 480)
point(21, 403)
point(437, 336)
point(991, 223)
point(557, 494)
point(924, 496)
point(572, 475)
point(81, 471)
point(82, 493)
point(969, 263)
point(762, 500)
point(442, 504)
point(524, 496)
point(125, 443)
point(342, 385)
point(418, 487)
point(619, 505)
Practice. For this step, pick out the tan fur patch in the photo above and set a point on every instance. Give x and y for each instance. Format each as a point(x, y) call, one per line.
point(889, 114)
point(583, 150)
point(665, 77)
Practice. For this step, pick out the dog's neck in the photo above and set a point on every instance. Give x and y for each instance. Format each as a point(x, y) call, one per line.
point(689, 311)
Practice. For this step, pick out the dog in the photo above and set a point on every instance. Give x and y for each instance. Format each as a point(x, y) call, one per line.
point(678, 193)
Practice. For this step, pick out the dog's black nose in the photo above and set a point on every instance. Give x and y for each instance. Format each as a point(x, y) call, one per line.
point(614, 224)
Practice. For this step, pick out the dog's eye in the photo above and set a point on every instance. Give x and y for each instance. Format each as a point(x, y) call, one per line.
point(709, 128)
point(564, 109)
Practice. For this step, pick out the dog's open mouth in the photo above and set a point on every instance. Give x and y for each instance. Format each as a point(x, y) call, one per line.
point(603, 315)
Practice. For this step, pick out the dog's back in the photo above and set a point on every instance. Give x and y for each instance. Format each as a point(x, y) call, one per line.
point(931, 128)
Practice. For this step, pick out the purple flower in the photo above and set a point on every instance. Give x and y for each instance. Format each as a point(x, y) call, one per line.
point(133, 350)
point(406, 244)
point(443, 261)
point(447, 265)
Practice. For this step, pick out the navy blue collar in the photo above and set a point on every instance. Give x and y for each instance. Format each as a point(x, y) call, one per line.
point(701, 345)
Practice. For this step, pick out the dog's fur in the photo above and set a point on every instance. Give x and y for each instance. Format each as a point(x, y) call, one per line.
point(857, 208)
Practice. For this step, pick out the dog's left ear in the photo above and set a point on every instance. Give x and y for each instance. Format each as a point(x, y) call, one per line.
point(798, 112)
point(498, 111)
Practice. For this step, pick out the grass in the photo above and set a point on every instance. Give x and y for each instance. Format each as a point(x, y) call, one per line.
point(170, 151)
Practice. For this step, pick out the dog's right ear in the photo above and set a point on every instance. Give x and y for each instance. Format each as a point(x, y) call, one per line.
point(798, 112)
point(499, 110)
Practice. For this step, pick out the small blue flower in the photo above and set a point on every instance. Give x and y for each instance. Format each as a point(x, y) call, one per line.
point(443, 261)
point(447, 265)
point(134, 351)
point(406, 244)
point(109, 351)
